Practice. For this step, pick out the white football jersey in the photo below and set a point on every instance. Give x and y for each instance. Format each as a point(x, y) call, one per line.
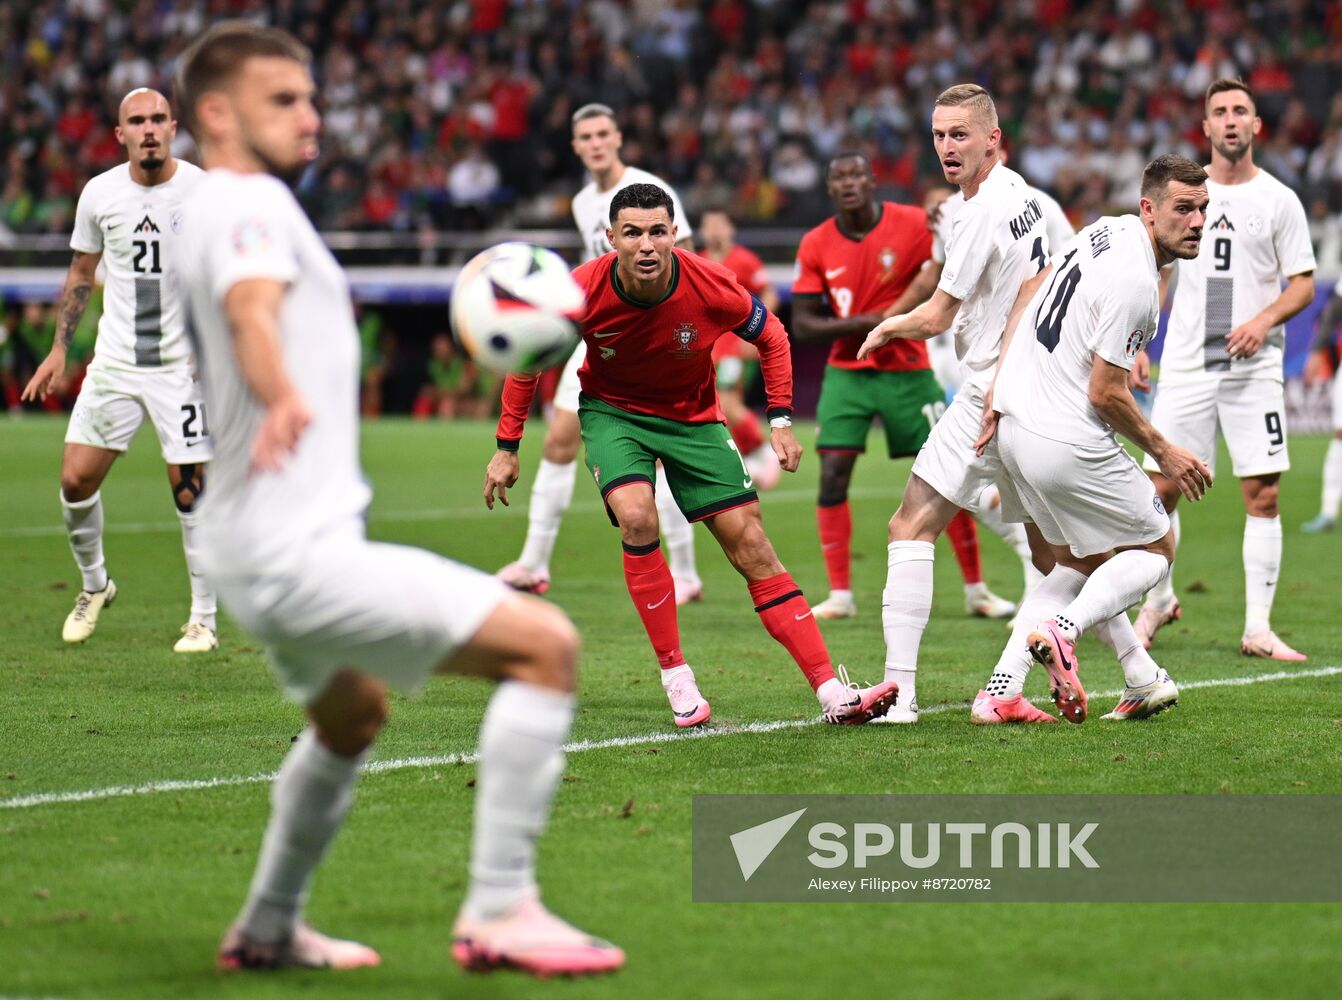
point(997, 242)
point(1100, 300)
point(1056, 223)
point(243, 226)
point(591, 211)
point(1256, 235)
point(138, 231)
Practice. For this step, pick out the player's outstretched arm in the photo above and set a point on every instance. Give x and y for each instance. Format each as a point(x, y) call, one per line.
point(1113, 401)
point(69, 311)
point(252, 308)
point(988, 421)
point(502, 471)
point(931, 318)
point(1247, 339)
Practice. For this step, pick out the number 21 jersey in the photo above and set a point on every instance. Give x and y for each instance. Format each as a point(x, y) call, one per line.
point(137, 229)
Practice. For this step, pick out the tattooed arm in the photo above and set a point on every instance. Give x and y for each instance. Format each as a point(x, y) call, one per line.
point(69, 311)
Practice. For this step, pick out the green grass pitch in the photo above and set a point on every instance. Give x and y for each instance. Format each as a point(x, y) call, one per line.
point(127, 896)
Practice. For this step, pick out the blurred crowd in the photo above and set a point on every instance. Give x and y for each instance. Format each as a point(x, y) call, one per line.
point(455, 114)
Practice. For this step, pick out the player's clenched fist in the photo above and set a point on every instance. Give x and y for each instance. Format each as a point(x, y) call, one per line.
point(786, 447)
point(500, 475)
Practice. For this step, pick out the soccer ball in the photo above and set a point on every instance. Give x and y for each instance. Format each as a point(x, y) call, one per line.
point(516, 308)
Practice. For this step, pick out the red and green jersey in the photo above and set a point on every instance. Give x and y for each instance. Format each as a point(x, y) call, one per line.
point(657, 359)
point(865, 276)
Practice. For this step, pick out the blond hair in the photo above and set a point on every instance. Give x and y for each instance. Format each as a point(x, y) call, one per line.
point(979, 100)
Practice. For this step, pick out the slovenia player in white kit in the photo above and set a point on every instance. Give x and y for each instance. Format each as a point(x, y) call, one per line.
point(1325, 342)
point(596, 141)
point(343, 618)
point(1062, 392)
point(130, 219)
point(1222, 360)
point(998, 242)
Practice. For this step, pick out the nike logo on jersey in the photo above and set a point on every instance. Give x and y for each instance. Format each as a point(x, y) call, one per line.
point(654, 607)
point(112, 225)
point(603, 336)
point(831, 275)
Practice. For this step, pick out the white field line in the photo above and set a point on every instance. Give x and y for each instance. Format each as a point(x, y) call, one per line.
point(474, 512)
point(581, 746)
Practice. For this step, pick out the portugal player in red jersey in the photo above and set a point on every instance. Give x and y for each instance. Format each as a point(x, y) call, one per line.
point(653, 316)
point(853, 270)
point(735, 359)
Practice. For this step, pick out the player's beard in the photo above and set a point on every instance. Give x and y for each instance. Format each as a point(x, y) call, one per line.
point(152, 163)
point(290, 173)
point(1234, 155)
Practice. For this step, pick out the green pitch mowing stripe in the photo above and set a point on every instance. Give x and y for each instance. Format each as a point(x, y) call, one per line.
point(583, 746)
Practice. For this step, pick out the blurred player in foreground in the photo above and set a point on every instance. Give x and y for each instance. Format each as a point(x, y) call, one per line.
point(1323, 357)
point(343, 618)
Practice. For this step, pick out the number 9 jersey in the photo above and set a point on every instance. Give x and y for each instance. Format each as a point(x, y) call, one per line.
point(137, 230)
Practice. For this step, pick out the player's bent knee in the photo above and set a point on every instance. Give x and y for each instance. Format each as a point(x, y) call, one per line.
point(350, 713)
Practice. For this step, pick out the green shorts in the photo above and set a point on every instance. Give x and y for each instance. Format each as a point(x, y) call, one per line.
point(907, 403)
point(705, 470)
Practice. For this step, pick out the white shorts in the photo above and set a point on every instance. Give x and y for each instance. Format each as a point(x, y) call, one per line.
point(1089, 499)
point(1251, 413)
point(566, 393)
point(113, 403)
point(1337, 402)
point(947, 462)
point(390, 611)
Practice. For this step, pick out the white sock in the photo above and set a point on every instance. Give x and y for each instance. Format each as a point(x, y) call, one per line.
point(1332, 479)
point(202, 594)
point(990, 516)
point(1112, 589)
point(1262, 565)
point(84, 525)
point(551, 493)
point(1162, 594)
point(678, 531)
point(669, 675)
point(309, 801)
point(1118, 635)
point(521, 761)
point(906, 604)
point(1053, 593)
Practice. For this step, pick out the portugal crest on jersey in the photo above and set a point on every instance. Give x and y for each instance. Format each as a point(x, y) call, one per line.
point(887, 258)
point(685, 335)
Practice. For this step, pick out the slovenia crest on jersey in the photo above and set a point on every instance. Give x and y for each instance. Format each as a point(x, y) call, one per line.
point(175, 222)
point(1255, 225)
point(685, 335)
point(1135, 340)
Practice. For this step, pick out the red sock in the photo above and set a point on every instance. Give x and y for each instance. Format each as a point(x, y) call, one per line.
point(747, 434)
point(787, 617)
point(836, 542)
point(964, 536)
point(654, 595)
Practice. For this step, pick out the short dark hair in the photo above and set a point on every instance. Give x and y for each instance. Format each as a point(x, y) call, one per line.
point(1229, 83)
point(642, 196)
point(1170, 167)
point(213, 59)
point(848, 154)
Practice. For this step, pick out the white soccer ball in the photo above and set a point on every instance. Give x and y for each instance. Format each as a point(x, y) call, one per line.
point(516, 308)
